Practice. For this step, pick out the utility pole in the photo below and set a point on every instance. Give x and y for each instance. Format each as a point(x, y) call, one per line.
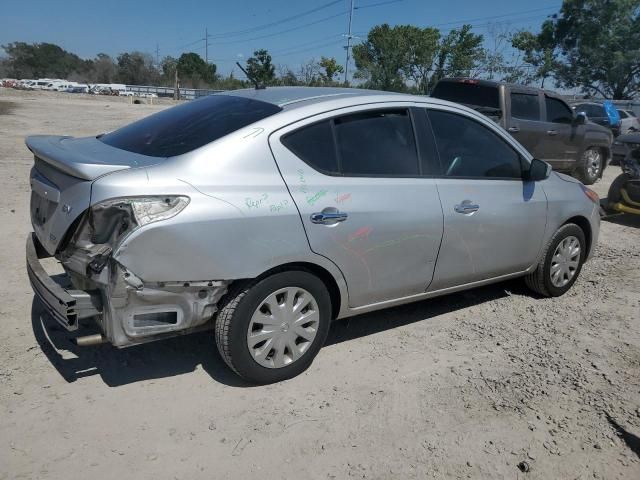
point(157, 54)
point(206, 46)
point(348, 47)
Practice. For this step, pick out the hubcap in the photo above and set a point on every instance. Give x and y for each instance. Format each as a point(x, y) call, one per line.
point(593, 162)
point(565, 261)
point(283, 327)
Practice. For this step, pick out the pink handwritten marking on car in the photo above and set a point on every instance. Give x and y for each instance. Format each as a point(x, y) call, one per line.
point(343, 198)
point(360, 233)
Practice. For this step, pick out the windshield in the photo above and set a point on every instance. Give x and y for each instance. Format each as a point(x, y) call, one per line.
point(467, 93)
point(189, 126)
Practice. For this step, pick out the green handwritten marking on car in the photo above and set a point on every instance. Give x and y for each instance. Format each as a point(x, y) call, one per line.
point(255, 203)
point(303, 186)
point(279, 206)
point(313, 199)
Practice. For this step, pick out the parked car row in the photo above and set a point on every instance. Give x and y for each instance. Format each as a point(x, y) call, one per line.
point(59, 85)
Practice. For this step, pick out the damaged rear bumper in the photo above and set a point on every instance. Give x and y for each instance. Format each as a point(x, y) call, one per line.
point(127, 310)
point(67, 307)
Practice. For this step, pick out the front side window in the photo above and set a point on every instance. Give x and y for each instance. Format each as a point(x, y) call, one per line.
point(184, 128)
point(557, 111)
point(623, 114)
point(525, 106)
point(468, 149)
point(378, 142)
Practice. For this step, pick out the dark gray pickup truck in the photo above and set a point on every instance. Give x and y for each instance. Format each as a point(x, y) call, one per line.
point(540, 120)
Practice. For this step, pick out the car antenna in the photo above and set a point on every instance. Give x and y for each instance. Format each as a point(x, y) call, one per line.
point(258, 85)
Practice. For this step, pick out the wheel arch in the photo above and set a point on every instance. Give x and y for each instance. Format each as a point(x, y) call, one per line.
point(585, 226)
point(335, 293)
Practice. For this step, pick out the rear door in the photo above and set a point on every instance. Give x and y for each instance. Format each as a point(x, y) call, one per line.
point(494, 221)
point(525, 121)
point(360, 182)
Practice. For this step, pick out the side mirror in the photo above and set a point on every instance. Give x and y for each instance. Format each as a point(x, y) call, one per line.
point(538, 170)
point(580, 118)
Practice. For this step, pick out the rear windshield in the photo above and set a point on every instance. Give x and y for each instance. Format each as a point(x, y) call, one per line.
point(189, 126)
point(467, 93)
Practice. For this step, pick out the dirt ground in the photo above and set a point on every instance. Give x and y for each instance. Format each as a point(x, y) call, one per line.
point(485, 384)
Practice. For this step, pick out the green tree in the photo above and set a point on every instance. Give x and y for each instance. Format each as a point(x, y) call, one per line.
point(39, 60)
point(422, 46)
point(260, 68)
point(458, 54)
point(331, 69)
point(104, 69)
point(540, 53)
point(381, 58)
point(136, 68)
point(600, 45)
point(408, 57)
point(194, 72)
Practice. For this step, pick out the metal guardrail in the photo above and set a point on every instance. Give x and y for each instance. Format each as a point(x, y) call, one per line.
point(168, 92)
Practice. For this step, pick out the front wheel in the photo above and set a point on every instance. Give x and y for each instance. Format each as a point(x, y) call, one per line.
point(272, 329)
point(561, 262)
point(590, 167)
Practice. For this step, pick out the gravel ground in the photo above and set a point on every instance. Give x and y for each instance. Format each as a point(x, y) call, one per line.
point(492, 383)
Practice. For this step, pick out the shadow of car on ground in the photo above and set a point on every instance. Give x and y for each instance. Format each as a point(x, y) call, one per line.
point(186, 353)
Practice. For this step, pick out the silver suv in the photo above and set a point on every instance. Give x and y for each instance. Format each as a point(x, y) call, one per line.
point(268, 213)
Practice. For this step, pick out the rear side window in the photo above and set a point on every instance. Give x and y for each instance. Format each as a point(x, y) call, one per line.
point(525, 106)
point(189, 126)
point(377, 143)
point(557, 111)
point(623, 114)
point(470, 150)
point(467, 92)
point(372, 143)
point(314, 145)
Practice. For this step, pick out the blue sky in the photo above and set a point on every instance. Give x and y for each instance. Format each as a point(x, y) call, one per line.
point(238, 27)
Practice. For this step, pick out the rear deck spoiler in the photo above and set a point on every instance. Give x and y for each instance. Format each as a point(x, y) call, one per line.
point(85, 158)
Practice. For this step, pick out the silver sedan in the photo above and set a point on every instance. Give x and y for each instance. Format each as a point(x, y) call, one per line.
point(268, 213)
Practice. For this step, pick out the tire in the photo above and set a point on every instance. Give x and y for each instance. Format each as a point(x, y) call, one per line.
point(540, 280)
point(249, 301)
point(613, 196)
point(591, 164)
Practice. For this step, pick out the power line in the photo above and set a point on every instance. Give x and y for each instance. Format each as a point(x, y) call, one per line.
point(330, 17)
point(275, 23)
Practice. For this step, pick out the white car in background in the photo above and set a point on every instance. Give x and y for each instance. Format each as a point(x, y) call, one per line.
point(628, 121)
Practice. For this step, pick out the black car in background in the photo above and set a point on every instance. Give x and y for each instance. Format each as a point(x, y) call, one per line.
point(540, 120)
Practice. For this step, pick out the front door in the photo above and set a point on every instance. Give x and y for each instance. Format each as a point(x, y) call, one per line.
point(357, 181)
point(494, 221)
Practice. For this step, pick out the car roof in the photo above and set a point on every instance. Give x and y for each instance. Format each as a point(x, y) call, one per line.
point(286, 97)
point(289, 98)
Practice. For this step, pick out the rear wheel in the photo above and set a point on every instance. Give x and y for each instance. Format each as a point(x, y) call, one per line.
point(271, 330)
point(590, 167)
point(561, 262)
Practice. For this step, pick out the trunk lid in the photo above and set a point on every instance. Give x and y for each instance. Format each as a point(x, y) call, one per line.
point(64, 169)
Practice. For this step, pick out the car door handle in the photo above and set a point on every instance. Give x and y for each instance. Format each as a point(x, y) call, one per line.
point(466, 207)
point(328, 218)
point(513, 129)
point(552, 133)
